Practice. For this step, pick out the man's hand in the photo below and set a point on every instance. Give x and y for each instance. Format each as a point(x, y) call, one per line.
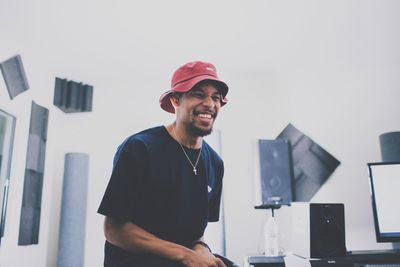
point(202, 257)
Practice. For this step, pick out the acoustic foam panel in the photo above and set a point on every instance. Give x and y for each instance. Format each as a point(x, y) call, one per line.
point(14, 76)
point(390, 146)
point(33, 181)
point(70, 96)
point(73, 211)
point(33, 185)
point(312, 165)
point(30, 231)
point(36, 147)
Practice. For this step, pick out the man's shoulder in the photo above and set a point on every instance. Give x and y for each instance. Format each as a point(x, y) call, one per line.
point(146, 137)
point(154, 132)
point(212, 153)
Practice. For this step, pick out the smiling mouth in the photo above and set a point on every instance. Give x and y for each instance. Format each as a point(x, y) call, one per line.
point(205, 115)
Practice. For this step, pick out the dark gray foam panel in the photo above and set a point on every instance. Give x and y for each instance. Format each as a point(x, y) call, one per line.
point(29, 226)
point(33, 185)
point(35, 160)
point(14, 76)
point(390, 146)
point(33, 181)
point(70, 96)
point(39, 121)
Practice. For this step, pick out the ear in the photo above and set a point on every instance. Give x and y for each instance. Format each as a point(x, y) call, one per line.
point(174, 100)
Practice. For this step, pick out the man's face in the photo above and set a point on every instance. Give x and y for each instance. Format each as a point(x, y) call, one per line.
point(198, 108)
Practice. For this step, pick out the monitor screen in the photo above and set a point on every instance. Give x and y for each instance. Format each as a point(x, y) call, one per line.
point(385, 194)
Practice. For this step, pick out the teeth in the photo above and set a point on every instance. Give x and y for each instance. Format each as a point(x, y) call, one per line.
point(208, 116)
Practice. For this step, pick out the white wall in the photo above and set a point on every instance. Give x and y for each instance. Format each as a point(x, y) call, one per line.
point(329, 67)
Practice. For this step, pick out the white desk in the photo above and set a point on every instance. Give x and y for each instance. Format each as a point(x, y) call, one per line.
point(289, 260)
point(355, 258)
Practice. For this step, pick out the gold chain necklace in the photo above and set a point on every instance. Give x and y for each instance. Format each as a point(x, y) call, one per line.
point(184, 152)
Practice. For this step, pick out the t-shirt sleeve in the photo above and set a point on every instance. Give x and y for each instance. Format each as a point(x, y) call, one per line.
point(215, 203)
point(125, 192)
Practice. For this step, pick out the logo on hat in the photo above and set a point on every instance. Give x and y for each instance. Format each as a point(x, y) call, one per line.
point(211, 69)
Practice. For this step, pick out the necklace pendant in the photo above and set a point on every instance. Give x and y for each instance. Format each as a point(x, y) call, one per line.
point(195, 171)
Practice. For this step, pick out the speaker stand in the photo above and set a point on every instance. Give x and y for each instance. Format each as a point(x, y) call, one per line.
point(271, 231)
point(272, 207)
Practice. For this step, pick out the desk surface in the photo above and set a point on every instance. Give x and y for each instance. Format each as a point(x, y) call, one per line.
point(352, 258)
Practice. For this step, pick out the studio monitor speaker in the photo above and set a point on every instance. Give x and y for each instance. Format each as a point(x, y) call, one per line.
point(318, 230)
point(276, 171)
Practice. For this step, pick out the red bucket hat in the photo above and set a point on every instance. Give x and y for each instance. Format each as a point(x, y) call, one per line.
point(187, 76)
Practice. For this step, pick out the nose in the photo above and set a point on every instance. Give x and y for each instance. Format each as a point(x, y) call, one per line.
point(209, 101)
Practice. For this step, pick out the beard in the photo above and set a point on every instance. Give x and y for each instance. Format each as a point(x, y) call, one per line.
point(197, 131)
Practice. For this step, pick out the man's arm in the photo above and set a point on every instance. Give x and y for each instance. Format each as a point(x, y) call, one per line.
point(200, 246)
point(131, 237)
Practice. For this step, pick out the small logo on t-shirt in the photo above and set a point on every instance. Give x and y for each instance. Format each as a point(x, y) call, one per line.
point(209, 189)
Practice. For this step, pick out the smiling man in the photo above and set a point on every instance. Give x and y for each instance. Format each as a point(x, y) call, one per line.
point(166, 182)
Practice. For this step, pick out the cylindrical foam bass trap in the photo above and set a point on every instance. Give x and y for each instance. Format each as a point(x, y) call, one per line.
point(390, 146)
point(71, 242)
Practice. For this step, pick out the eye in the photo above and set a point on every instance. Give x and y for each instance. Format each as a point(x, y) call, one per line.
point(216, 98)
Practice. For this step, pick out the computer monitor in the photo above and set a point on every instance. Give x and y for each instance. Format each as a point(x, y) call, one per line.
point(384, 180)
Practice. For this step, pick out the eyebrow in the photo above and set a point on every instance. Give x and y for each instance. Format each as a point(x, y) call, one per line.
point(198, 89)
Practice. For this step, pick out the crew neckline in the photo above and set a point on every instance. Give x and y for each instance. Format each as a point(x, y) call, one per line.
point(173, 139)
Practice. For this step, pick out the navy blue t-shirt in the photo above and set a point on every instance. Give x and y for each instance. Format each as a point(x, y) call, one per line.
point(153, 186)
